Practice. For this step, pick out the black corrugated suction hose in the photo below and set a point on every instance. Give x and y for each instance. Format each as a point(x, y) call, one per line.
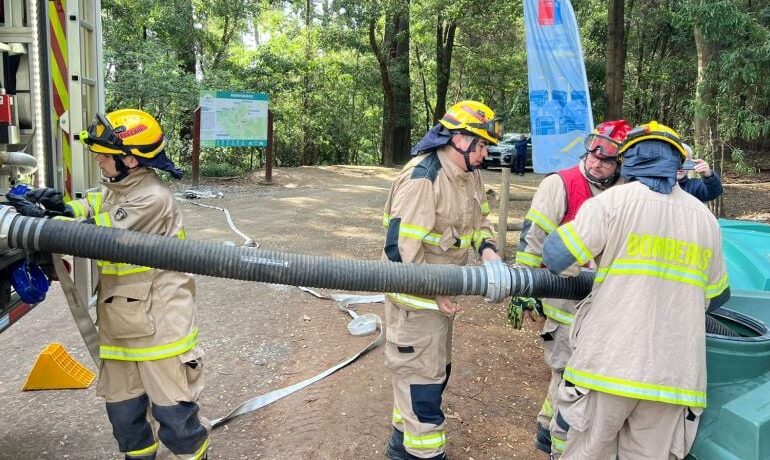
point(116, 245)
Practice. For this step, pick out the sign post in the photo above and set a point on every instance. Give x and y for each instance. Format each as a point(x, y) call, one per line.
point(230, 119)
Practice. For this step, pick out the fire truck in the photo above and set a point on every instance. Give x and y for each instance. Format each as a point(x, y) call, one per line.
point(52, 85)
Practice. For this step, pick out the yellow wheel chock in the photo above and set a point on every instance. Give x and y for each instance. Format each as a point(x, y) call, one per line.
point(55, 369)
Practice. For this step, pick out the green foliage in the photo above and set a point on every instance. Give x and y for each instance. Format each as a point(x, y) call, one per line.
point(324, 82)
point(214, 169)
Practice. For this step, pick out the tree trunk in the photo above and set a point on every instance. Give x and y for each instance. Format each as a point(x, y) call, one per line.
point(704, 120)
point(305, 149)
point(445, 39)
point(388, 98)
point(616, 60)
point(396, 84)
point(402, 85)
point(185, 50)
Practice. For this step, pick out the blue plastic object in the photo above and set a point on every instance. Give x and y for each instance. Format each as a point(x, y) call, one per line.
point(20, 189)
point(29, 281)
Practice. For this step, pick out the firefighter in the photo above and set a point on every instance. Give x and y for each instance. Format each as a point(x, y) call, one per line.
point(151, 369)
point(556, 202)
point(435, 212)
point(635, 385)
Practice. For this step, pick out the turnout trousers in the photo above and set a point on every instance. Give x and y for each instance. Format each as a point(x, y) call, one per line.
point(151, 401)
point(418, 355)
point(557, 351)
point(602, 426)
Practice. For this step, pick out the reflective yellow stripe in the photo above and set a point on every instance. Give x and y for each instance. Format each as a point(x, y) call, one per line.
point(428, 441)
point(531, 260)
point(485, 208)
point(396, 418)
point(120, 268)
point(181, 234)
point(69, 219)
point(95, 201)
point(151, 449)
point(638, 390)
point(103, 220)
point(150, 353)
point(557, 444)
point(547, 408)
point(713, 290)
point(78, 209)
point(412, 231)
point(202, 451)
point(560, 316)
point(574, 244)
point(667, 271)
point(412, 301)
point(421, 233)
point(479, 236)
point(541, 220)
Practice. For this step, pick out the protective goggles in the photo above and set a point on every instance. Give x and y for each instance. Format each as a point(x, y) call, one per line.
point(494, 128)
point(109, 137)
point(602, 147)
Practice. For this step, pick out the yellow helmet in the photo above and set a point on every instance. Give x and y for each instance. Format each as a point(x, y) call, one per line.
point(475, 118)
point(124, 132)
point(653, 131)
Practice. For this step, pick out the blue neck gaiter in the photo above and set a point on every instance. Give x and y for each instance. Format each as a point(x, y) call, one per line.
point(653, 163)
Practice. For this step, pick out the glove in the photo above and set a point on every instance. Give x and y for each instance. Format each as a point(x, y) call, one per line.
point(24, 206)
point(519, 305)
point(50, 198)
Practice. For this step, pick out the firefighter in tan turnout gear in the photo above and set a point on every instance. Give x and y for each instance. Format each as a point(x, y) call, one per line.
point(436, 211)
point(556, 202)
point(635, 385)
point(151, 369)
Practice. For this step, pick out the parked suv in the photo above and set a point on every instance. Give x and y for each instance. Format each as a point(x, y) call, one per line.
point(502, 154)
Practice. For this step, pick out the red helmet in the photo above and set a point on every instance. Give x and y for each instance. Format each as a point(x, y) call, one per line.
point(604, 141)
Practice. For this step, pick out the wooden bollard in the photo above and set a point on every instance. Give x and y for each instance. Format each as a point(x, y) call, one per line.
point(520, 196)
point(515, 226)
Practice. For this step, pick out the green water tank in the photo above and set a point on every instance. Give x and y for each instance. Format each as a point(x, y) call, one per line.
point(736, 423)
point(746, 246)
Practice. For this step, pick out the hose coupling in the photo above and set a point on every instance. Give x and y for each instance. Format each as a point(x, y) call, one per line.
point(498, 281)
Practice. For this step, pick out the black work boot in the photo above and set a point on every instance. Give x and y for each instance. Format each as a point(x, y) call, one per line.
point(543, 439)
point(395, 449)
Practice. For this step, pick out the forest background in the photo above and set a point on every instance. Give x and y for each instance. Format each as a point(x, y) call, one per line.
point(359, 81)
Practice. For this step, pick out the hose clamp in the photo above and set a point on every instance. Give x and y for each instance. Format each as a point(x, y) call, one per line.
point(7, 214)
point(498, 281)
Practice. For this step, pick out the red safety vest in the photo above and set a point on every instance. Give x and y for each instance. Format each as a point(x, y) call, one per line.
point(578, 191)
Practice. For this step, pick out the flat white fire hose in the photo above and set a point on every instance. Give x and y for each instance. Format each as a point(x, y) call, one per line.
point(343, 301)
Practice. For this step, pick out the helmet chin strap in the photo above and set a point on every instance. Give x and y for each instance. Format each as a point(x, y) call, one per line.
point(466, 153)
point(607, 181)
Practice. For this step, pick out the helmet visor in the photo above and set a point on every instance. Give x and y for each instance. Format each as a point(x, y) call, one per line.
point(107, 138)
point(494, 128)
point(601, 147)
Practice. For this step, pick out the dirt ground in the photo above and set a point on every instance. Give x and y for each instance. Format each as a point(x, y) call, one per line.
point(261, 337)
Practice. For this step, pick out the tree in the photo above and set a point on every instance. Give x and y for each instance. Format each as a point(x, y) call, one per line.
point(616, 59)
point(392, 54)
